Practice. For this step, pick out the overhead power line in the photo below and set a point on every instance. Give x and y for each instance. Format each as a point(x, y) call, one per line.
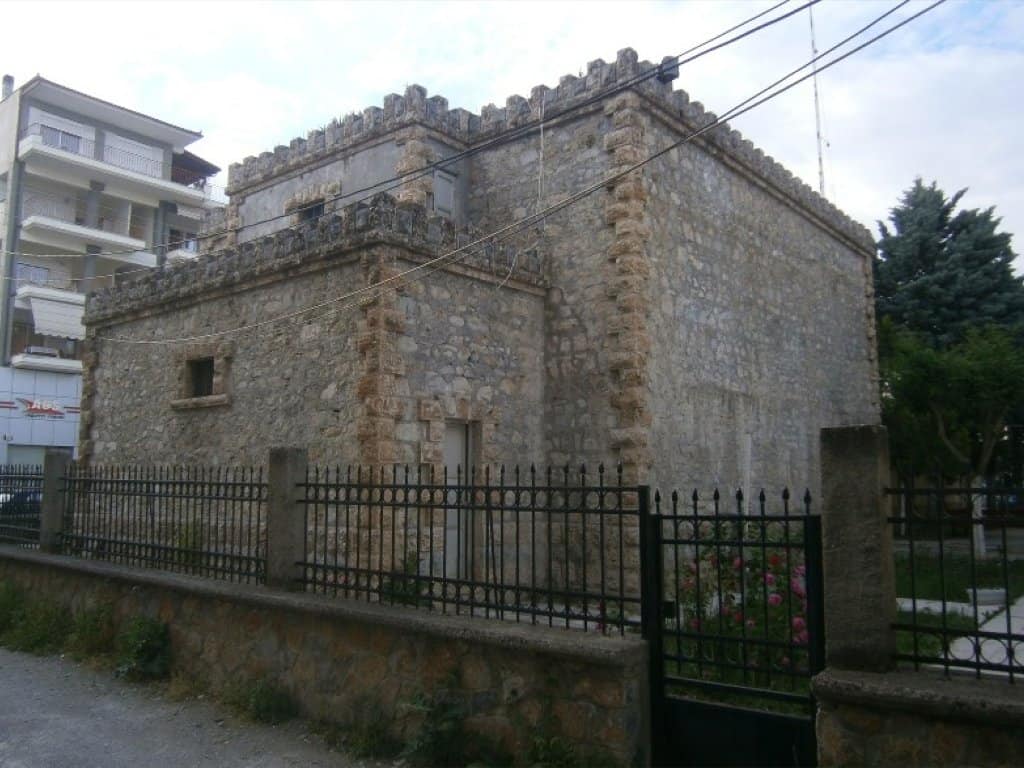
point(432, 265)
point(511, 134)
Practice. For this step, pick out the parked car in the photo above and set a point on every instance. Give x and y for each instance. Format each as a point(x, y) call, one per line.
point(21, 506)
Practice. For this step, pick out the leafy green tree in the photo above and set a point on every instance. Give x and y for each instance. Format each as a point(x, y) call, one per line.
point(947, 409)
point(941, 272)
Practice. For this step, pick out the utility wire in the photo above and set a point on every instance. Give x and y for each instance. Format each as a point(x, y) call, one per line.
point(439, 262)
point(511, 134)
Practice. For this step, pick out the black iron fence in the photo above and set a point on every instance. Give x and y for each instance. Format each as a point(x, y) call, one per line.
point(207, 521)
point(21, 493)
point(741, 597)
point(558, 548)
point(959, 565)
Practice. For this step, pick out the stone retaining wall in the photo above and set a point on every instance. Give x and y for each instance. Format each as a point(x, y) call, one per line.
point(905, 718)
point(333, 656)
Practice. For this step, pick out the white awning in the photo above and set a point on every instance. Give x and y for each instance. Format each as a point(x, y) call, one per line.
point(54, 312)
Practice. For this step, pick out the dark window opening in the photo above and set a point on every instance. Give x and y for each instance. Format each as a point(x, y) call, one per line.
point(200, 376)
point(312, 211)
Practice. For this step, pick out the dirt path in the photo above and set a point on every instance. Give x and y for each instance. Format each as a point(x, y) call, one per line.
point(54, 712)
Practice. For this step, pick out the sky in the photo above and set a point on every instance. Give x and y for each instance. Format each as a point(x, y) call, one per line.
point(939, 99)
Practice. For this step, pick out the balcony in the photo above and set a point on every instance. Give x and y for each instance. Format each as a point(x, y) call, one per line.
point(56, 153)
point(58, 221)
point(47, 329)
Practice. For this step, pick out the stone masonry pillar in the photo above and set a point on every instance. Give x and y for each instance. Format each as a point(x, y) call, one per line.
point(860, 588)
point(416, 155)
point(628, 341)
point(51, 520)
point(286, 518)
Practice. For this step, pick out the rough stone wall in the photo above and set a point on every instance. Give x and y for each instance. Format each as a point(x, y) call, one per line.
point(473, 352)
point(364, 379)
point(293, 384)
point(364, 168)
point(512, 181)
point(759, 324)
point(336, 658)
point(917, 719)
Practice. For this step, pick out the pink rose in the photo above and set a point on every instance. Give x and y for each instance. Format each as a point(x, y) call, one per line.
point(737, 563)
point(774, 599)
point(798, 623)
point(769, 579)
point(801, 637)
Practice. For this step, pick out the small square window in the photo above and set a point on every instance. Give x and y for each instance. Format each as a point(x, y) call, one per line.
point(312, 211)
point(200, 377)
point(203, 378)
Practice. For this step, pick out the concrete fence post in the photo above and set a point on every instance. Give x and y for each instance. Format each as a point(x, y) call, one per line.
point(860, 588)
point(51, 508)
point(286, 519)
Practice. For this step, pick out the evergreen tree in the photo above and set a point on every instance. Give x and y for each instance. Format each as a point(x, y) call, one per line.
point(940, 272)
point(951, 336)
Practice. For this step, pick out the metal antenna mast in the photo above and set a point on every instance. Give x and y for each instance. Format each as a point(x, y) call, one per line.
point(817, 108)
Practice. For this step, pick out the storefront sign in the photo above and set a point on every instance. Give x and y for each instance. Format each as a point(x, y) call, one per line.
point(47, 409)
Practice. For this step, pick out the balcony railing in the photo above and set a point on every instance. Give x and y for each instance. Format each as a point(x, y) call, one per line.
point(120, 158)
point(60, 139)
point(72, 211)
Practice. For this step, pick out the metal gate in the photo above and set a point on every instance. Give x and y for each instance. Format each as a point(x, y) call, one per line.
point(734, 617)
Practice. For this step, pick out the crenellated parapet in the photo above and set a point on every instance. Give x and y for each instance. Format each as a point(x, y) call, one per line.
point(380, 219)
point(467, 128)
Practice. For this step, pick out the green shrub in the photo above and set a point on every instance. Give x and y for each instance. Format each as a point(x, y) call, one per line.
point(443, 740)
point(188, 545)
point(368, 732)
point(40, 628)
point(263, 701)
point(92, 632)
point(404, 586)
point(12, 603)
point(144, 650)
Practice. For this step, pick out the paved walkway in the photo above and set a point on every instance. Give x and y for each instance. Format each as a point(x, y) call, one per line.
point(995, 651)
point(54, 712)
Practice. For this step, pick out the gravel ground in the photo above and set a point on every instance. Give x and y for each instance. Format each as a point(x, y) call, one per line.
point(55, 712)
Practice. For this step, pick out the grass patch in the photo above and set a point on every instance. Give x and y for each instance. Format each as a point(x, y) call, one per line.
point(954, 579)
point(144, 650)
point(92, 633)
point(12, 603)
point(367, 735)
point(929, 633)
point(263, 701)
point(39, 628)
point(552, 752)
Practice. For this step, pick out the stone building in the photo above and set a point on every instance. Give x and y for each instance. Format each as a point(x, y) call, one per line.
point(698, 320)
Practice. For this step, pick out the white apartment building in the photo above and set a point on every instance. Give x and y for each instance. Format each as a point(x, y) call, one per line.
point(89, 191)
